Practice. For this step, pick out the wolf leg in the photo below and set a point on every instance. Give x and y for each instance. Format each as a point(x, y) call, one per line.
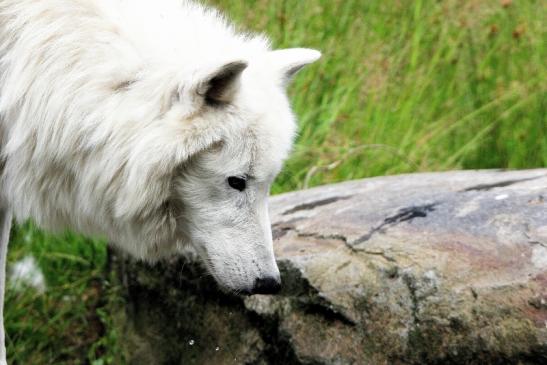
point(5, 226)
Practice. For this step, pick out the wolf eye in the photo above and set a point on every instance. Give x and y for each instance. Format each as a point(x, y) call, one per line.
point(238, 183)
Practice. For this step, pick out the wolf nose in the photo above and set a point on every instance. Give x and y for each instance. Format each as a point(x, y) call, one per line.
point(266, 285)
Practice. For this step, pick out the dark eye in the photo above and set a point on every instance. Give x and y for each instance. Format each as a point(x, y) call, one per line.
point(238, 183)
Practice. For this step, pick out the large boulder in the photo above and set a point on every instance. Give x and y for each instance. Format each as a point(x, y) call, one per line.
point(438, 268)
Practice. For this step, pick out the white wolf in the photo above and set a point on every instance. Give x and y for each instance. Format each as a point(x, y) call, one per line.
point(151, 123)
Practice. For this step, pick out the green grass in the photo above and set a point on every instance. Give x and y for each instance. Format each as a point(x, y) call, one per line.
point(69, 324)
point(403, 86)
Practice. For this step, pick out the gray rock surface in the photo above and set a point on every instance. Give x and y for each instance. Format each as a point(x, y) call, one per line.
point(439, 268)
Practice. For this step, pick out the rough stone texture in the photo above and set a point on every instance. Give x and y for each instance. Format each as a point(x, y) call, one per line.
point(441, 268)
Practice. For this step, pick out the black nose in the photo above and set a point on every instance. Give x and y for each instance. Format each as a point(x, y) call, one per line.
point(267, 285)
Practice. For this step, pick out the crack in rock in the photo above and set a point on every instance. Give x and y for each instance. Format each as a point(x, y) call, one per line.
point(404, 215)
point(320, 236)
point(308, 298)
point(315, 204)
point(499, 184)
point(378, 253)
point(344, 239)
point(282, 228)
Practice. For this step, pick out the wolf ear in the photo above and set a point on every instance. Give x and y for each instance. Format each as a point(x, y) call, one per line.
point(290, 61)
point(221, 87)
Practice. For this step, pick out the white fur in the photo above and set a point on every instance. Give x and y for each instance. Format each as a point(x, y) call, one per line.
point(104, 130)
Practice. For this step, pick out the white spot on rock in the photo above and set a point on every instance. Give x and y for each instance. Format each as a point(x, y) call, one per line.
point(27, 273)
point(191, 342)
point(502, 196)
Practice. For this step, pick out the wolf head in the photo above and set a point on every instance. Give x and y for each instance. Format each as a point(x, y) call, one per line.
point(222, 191)
point(200, 174)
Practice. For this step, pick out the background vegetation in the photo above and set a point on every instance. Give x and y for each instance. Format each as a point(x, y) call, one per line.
point(404, 86)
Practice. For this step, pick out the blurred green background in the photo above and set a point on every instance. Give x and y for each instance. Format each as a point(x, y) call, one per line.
point(403, 86)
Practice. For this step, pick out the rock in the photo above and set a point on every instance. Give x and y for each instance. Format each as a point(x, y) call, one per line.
point(441, 268)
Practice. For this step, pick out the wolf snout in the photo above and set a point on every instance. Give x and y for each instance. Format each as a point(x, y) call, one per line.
point(266, 285)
